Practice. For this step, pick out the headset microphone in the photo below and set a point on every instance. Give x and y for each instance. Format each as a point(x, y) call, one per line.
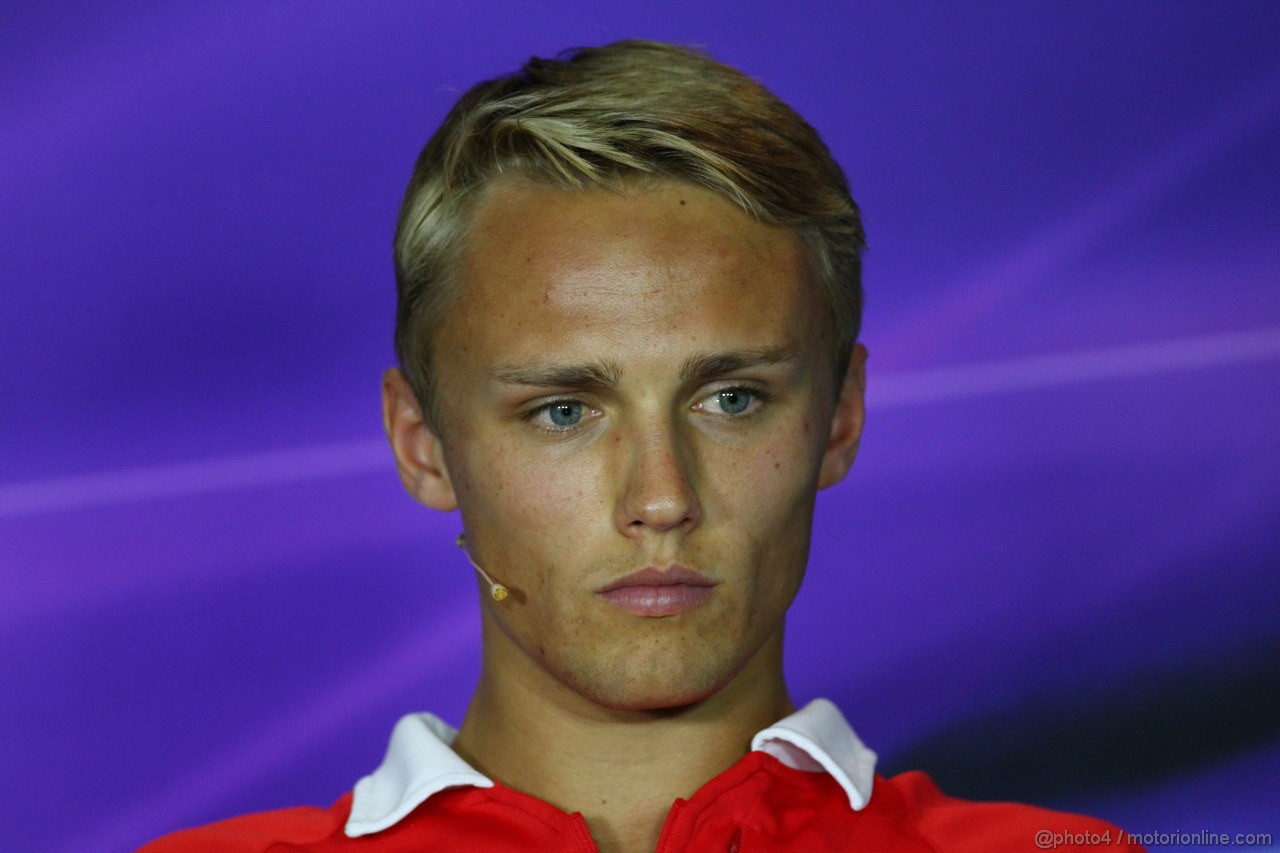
point(497, 590)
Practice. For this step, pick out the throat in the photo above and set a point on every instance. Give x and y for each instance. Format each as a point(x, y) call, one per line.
point(625, 776)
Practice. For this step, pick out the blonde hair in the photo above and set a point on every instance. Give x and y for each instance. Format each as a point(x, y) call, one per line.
point(600, 117)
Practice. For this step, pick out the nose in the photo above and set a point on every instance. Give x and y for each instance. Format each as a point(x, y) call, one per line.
point(658, 493)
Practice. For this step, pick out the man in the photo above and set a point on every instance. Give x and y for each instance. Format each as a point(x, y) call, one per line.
point(628, 311)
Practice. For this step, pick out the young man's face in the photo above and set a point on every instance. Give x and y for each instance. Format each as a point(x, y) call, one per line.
point(628, 382)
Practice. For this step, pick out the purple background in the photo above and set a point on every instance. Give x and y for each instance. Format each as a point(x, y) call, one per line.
point(1052, 575)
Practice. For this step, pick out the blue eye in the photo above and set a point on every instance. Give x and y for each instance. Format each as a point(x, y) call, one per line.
point(734, 401)
point(564, 413)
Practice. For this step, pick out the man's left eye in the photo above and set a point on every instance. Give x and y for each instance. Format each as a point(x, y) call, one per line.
point(732, 401)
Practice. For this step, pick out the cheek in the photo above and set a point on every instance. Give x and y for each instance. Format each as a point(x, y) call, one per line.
point(510, 487)
point(543, 485)
point(762, 514)
point(773, 500)
point(783, 469)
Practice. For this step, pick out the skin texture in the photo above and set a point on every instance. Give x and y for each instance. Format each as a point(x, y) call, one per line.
point(607, 306)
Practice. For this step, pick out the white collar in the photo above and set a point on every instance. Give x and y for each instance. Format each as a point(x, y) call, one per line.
point(420, 763)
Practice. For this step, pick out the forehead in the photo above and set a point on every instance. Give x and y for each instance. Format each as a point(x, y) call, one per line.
point(643, 272)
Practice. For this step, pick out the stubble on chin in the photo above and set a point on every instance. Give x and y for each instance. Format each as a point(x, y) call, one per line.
point(668, 667)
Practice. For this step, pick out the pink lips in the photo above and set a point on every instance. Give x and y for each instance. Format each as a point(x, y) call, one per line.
point(650, 592)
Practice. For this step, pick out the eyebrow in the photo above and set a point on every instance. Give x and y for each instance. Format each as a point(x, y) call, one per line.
point(604, 375)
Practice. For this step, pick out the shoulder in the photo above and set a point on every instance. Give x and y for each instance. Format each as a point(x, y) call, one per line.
point(261, 831)
point(952, 824)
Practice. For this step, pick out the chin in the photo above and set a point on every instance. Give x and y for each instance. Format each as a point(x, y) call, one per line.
point(653, 689)
point(650, 702)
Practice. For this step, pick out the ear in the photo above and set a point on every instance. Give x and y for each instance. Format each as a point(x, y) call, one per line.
point(419, 453)
point(846, 421)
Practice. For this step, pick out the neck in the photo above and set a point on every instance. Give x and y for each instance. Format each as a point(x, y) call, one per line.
point(622, 769)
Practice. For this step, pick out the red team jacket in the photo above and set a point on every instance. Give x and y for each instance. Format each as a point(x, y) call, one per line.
point(807, 785)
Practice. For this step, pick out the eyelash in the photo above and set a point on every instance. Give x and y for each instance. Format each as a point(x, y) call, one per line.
point(760, 398)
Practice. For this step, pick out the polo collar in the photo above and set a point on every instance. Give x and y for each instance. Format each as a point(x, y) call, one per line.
point(421, 763)
point(816, 739)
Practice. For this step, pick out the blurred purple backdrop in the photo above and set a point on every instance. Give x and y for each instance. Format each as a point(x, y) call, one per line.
point(1053, 575)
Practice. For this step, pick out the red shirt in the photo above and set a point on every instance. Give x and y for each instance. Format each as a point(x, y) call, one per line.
point(807, 785)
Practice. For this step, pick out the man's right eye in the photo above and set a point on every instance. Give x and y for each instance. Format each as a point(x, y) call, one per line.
point(558, 415)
